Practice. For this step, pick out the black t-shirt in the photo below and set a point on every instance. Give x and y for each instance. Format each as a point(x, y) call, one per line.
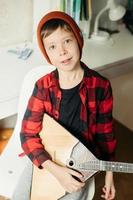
point(70, 110)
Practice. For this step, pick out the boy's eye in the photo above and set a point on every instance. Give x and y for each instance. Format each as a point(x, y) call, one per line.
point(52, 47)
point(67, 41)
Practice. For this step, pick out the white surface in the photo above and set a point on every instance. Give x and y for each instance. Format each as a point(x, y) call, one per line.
point(100, 36)
point(11, 165)
point(12, 72)
point(96, 54)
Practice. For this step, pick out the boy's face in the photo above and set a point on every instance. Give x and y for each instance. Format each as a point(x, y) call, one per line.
point(62, 49)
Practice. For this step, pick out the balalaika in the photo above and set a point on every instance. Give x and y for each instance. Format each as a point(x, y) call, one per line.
point(66, 150)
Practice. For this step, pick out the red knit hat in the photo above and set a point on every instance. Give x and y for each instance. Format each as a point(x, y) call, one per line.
point(69, 20)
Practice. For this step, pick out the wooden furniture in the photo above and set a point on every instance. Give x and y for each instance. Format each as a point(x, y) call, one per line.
point(5, 135)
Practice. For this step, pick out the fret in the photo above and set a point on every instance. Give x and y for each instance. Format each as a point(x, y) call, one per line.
point(118, 167)
point(106, 166)
point(102, 166)
point(90, 165)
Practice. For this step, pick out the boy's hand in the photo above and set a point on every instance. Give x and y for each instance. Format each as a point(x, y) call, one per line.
point(67, 180)
point(109, 188)
point(65, 176)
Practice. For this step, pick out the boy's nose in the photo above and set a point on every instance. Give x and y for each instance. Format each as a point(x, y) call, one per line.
point(62, 50)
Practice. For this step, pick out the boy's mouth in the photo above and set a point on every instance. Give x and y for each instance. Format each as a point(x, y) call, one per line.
point(66, 61)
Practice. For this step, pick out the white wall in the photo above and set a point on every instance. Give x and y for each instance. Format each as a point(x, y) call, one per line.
point(123, 99)
point(16, 21)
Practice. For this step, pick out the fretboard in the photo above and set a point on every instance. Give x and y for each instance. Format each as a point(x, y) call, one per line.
point(106, 166)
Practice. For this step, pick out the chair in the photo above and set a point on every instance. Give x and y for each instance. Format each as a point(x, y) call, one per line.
point(15, 171)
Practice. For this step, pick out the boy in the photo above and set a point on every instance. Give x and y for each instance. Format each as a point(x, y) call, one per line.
point(77, 97)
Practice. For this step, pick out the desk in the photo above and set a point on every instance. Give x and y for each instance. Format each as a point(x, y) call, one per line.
point(109, 60)
point(12, 72)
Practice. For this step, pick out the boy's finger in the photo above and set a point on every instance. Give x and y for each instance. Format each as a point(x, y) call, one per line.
point(112, 195)
point(75, 173)
point(104, 189)
point(107, 191)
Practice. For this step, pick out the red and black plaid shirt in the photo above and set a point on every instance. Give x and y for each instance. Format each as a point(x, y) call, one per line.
point(96, 112)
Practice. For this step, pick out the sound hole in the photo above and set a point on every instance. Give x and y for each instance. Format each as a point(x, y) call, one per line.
point(71, 163)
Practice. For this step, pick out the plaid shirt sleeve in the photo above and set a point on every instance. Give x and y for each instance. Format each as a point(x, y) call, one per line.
point(104, 125)
point(32, 125)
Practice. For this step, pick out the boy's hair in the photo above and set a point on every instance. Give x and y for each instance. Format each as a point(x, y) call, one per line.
point(56, 17)
point(51, 25)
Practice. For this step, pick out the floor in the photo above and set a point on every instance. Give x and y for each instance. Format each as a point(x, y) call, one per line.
point(5, 134)
point(124, 153)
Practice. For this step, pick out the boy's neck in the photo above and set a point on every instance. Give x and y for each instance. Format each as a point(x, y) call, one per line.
point(69, 79)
